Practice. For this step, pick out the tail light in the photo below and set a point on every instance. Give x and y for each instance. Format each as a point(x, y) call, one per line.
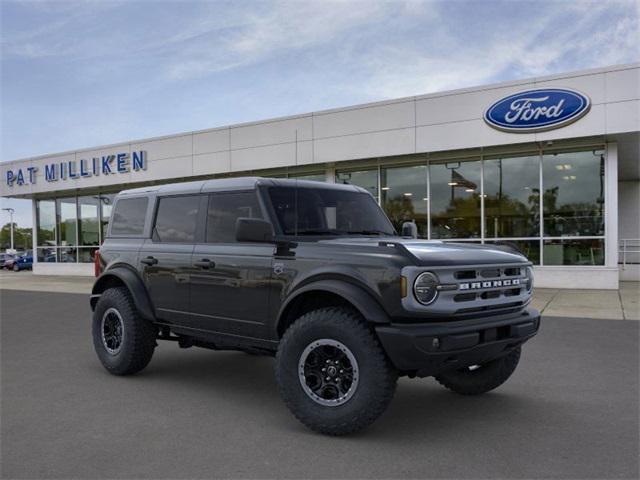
point(97, 268)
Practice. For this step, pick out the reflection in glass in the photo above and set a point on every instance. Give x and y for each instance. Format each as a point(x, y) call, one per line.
point(106, 203)
point(367, 179)
point(573, 198)
point(87, 255)
point(512, 197)
point(574, 252)
point(316, 177)
point(455, 200)
point(46, 222)
point(404, 196)
point(88, 220)
point(67, 221)
point(67, 254)
point(47, 254)
point(529, 248)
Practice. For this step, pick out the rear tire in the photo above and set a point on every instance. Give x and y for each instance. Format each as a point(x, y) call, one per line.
point(486, 377)
point(124, 341)
point(338, 340)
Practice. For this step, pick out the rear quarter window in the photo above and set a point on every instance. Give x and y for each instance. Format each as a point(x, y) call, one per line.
point(128, 216)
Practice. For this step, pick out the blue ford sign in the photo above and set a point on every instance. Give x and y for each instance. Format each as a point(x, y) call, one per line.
point(537, 110)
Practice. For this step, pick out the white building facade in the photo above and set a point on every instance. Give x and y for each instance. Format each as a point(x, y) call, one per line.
point(550, 165)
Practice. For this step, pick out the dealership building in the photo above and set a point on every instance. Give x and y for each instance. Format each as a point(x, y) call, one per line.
point(550, 165)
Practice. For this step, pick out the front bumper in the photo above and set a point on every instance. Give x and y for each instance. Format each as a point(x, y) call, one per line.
point(427, 349)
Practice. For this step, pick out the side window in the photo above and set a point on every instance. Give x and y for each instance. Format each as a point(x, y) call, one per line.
point(176, 219)
point(128, 217)
point(225, 209)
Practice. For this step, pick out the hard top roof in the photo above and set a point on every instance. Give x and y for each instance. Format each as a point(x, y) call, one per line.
point(231, 184)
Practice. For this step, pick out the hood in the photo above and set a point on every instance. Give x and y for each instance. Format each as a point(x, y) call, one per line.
point(437, 253)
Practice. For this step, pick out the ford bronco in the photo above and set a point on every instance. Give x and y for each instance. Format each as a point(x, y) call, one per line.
point(315, 275)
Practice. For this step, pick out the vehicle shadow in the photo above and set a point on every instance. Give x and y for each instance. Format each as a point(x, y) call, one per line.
point(421, 408)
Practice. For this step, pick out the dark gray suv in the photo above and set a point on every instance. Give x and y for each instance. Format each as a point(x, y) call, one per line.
point(316, 275)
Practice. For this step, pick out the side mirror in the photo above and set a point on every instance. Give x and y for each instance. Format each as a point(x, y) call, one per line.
point(410, 229)
point(253, 230)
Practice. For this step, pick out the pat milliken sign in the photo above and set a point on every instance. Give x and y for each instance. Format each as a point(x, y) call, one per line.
point(117, 163)
point(537, 110)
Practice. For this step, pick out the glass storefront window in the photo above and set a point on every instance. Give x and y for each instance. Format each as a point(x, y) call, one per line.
point(87, 255)
point(316, 177)
point(573, 198)
point(512, 197)
point(404, 196)
point(574, 252)
point(106, 204)
point(67, 221)
point(367, 179)
point(530, 248)
point(455, 199)
point(47, 255)
point(46, 222)
point(88, 222)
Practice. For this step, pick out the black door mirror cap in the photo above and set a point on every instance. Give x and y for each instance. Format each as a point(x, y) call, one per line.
point(254, 230)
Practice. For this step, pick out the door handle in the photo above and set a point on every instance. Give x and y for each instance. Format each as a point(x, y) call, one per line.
point(204, 263)
point(149, 261)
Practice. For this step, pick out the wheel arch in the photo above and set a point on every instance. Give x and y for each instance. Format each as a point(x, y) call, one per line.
point(327, 293)
point(122, 276)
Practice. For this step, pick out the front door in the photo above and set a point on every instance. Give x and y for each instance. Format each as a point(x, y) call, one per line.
point(231, 281)
point(166, 257)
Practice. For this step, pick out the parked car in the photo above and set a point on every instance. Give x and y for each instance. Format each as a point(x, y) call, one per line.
point(7, 260)
point(315, 275)
point(23, 262)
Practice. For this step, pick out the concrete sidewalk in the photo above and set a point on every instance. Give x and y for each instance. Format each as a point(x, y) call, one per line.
point(620, 304)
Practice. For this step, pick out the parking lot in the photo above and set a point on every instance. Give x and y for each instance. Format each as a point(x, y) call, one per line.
point(569, 411)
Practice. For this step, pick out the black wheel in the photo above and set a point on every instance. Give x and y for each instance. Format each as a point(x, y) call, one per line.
point(16, 268)
point(122, 339)
point(332, 372)
point(483, 378)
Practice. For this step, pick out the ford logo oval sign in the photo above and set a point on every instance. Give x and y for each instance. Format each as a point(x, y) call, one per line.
point(537, 110)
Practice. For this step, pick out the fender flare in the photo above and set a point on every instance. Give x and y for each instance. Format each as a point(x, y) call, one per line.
point(363, 301)
point(133, 282)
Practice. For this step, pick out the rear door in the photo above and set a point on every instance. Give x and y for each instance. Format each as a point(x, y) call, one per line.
point(166, 257)
point(231, 281)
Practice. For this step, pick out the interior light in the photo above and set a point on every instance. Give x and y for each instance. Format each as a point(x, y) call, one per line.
point(386, 188)
point(425, 198)
point(566, 177)
point(559, 167)
point(567, 166)
point(572, 177)
point(408, 194)
point(469, 190)
point(452, 184)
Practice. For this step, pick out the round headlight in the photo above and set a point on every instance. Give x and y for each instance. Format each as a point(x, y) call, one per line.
point(529, 279)
point(425, 288)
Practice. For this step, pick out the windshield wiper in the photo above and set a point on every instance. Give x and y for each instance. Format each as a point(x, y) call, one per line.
point(369, 232)
point(318, 232)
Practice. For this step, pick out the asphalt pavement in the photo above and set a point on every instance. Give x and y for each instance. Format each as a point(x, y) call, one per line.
point(569, 411)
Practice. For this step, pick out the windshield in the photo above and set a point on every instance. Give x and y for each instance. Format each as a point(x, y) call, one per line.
point(326, 211)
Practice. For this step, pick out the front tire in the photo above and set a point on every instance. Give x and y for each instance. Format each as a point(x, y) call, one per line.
point(16, 268)
point(481, 378)
point(124, 341)
point(357, 382)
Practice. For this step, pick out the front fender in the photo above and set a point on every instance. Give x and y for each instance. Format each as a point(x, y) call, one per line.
point(132, 281)
point(357, 296)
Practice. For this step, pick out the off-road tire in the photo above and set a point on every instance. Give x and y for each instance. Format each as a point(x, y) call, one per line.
point(377, 377)
point(484, 379)
point(139, 339)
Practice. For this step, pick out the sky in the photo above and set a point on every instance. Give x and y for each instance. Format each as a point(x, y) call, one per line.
point(86, 73)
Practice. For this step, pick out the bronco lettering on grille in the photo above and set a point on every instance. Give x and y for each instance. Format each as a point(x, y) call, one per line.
point(489, 284)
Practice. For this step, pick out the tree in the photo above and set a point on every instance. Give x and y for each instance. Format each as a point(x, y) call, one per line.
point(22, 237)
